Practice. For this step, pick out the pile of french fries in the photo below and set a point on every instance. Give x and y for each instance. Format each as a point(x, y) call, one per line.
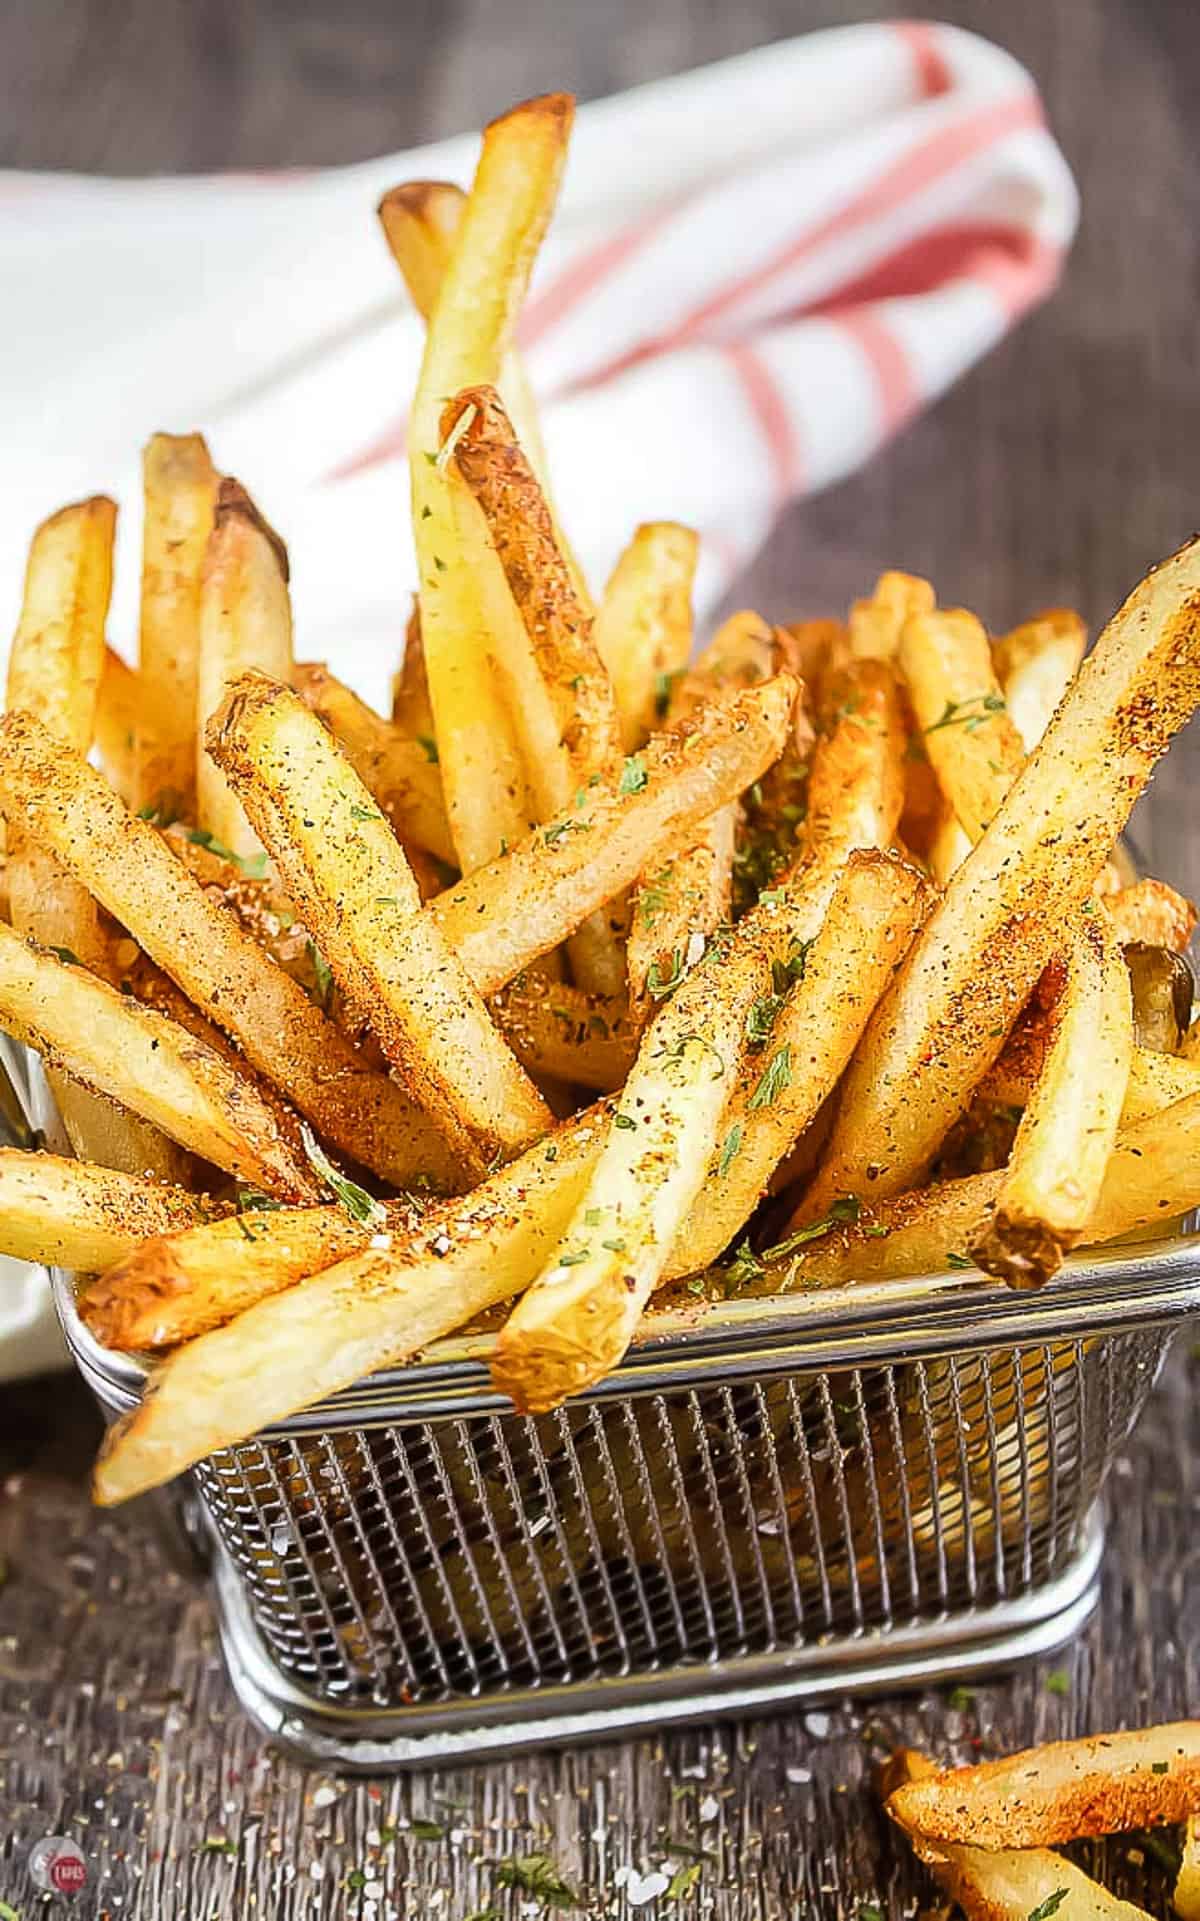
point(988, 1833)
point(594, 966)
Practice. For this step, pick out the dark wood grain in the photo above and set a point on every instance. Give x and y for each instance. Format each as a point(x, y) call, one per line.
point(1055, 472)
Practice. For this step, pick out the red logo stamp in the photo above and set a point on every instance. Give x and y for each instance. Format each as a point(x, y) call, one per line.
point(57, 1865)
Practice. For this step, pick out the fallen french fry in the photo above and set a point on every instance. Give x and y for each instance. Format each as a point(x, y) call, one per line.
point(504, 916)
point(347, 874)
point(972, 967)
point(371, 1311)
point(65, 1213)
point(958, 705)
point(66, 806)
point(643, 628)
point(1035, 664)
point(162, 1290)
point(401, 772)
point(245, 622)
point(1056, 1169)
point(1064, 1791)
point(179, 486)
point(120, 1048)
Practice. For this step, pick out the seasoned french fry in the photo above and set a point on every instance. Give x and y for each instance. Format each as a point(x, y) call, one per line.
point(1064, 1791)
point(804, 1031)
point(127, 864)
point(245, 622)
point(1035, 664)
point(420, 220)
point(1186, 1898)
point(973, 744)
point(972, 967)
point(116, 1046)
point(179, 1284)
point(856, 784)
point(555, 683)
point(118, 713)
point(1150, 1180)
point(401, 772)
point(1151, 912)
point(1056, 1170)
point(347, 874)
point(675, 909)
point(643, 628)
point(876, 624)
point(371, 1311)
point(70, 1214)
point(501, 918)
point(819, 647)
point(179, 484)
point(465, 601)
point(559, 1030)
point(1157, 1081)
point(412, 710)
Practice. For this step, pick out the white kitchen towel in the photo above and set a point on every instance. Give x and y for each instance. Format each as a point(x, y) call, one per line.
point(758, 271)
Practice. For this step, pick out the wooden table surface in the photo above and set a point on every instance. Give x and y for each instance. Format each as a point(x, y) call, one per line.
point(1056, 472)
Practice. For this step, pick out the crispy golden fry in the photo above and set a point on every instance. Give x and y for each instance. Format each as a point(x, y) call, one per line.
point(555, 683)
point(179, 485)
point(1150, 1180)
point(1035, 664)
point(245, 622)
point(559, 1030)
point(676, 908)
point(974, 747)
point(577, 1318)
point(876, 624)
point(503, 917)
point(1157, 1081)
point(401, 773)
point(643, 625)
point(1056, 1170)
point(1186, 1898)
point(1064, 1791)
point(179, 1284)
point(803, 1032)
point(69, 1214)
point(818, 647)
point(1150, 912)
point(116, 1046)
point(856, 784)
point(971, 969)
point(118, 713)
point(372, 1311)
point(347, 874)
point(465, 603)
point(420, 220)
point(67, 806)
point(412, 709)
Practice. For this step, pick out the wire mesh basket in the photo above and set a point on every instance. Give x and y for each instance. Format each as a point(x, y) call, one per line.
point(770, 1500)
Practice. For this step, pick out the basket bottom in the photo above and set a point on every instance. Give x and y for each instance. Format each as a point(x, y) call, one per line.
point(369, 1740)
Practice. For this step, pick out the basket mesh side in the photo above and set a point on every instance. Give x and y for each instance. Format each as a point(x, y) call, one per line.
point(435, 1561)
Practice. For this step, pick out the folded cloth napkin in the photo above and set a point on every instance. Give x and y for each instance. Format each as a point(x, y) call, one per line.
point(757, 273)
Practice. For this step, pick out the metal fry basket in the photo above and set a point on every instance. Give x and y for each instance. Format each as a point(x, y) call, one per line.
point(771, 1501)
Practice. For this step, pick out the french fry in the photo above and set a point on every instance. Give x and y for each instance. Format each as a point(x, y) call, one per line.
point(559, 1030)
point(412, 709)
point(1150, 1180)
point(400, 772)
point(463, 593)
point(65, 1213)
point(1035, 664)
point(1004, 1884)
point(1056, 1169)
point(118, 714)
point(856, 783)
point(555, 683)
point(347, 874)
point(66, 806)
point(1150, 912)
point(643, 629)
point(179, 484)
point(420, 220)
point(945, 1019)
point(807, 1028)
point(116, 1046)
point(1157, 1081)
point(818, 647)
point(1064, 1791)
point(245, 622)
point(371, 1311)
point(675, 909)
point(1186, 1897)
point(501, 918)
point(178, 1284)
point(971, 741)
point(876, 624)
